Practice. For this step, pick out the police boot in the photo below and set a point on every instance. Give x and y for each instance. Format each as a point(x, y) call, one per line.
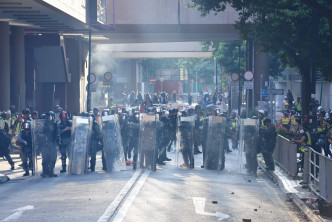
point(63, 166)
point(26, 173)
point(63, 169)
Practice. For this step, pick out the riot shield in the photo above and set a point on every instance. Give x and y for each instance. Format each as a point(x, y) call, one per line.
point(80, 135)
point(249, 129)
point(184, 142)
point(113, 149)
point(44, 152)
point(214, 154)
point(148, 142)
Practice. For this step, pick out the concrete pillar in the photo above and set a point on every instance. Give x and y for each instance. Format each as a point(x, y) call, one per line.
point(4, 66)
point(261, 66)
point(17, 78)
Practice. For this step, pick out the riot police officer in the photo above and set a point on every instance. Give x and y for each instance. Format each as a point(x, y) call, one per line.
point(65, 138)
point(48, 135)
point(96, 141)
point(250, 137)
point(198, 124)
point(25, 139)
point(163, 138)
point(134, 124)
point(269, 136)
point(124, 127)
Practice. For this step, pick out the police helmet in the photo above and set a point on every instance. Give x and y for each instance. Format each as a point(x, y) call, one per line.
point(267, 120)
point(64, 114)
point(43, 116)
point(26, 111)
point(261, 111)
point(95, 111)
point(198, 107)
point(50, 115)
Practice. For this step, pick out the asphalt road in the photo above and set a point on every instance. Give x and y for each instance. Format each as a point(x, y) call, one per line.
point(169, 194)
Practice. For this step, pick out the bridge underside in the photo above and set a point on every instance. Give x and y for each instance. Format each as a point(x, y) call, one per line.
point(169, 33)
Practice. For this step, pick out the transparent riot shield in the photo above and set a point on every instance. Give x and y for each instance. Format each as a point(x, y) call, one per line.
point(214, 152)
point(184, 142)
point(44, 152)
point(148, 141)
point(248, 146)
point(113, 149)
point(81, 135)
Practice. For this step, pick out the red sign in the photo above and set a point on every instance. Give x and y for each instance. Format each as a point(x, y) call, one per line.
point(153, 80)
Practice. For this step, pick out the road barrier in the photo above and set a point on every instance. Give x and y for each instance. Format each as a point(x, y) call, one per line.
point(317, 167)
point(285, 154)
point(320, 180)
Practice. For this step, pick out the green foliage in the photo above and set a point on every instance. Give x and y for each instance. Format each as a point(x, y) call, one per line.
point(282, 27)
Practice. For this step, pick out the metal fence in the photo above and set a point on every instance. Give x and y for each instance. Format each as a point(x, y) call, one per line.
point(320, 179)
point(285, 154)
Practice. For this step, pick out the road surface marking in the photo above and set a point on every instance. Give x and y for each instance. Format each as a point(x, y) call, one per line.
point(125, 206)
point(18, 214)
point(199, 204)
point(119, 198)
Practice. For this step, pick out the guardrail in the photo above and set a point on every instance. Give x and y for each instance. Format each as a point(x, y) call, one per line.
point(285, 154)
point(320, 179)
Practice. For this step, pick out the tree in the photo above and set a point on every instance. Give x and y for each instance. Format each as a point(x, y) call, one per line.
point(283, 27)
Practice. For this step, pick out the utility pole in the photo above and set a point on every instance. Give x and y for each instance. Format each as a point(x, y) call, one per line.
point(89, 72)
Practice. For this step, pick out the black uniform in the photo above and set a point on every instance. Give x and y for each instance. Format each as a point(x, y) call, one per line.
point(48, 137)
point(163, 139)
point(4, 147)
point(134, 139)
point(124, 127)
point(186, 149)
point(96, 144)
point(25, 139)
point(269, 135)
point(250, 148)
point(65, 138)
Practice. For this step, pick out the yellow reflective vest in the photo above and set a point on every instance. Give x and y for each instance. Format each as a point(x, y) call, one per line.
point(298, 105)
point(304, 144)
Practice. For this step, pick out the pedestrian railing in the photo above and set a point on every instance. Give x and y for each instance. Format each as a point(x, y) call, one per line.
point(285, 154)
point(320, 179)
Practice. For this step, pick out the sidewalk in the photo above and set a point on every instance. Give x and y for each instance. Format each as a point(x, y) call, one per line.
point(300, 194)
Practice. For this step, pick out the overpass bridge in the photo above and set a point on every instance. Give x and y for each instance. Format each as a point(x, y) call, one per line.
point(138, 21)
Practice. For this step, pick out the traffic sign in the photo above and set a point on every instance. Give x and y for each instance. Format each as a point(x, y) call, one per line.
point(248, 85)
point(107, 83)
point(92, 78)
point(248, 75)
point(235, 76)
point(108, 76)
point(153, 80)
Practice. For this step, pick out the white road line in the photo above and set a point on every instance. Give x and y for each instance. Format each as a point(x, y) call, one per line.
point(116, 202)
point(199, 204)
point(125, 206)
point(18, 214)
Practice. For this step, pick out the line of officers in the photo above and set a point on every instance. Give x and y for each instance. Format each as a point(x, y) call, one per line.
point(128, 138)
